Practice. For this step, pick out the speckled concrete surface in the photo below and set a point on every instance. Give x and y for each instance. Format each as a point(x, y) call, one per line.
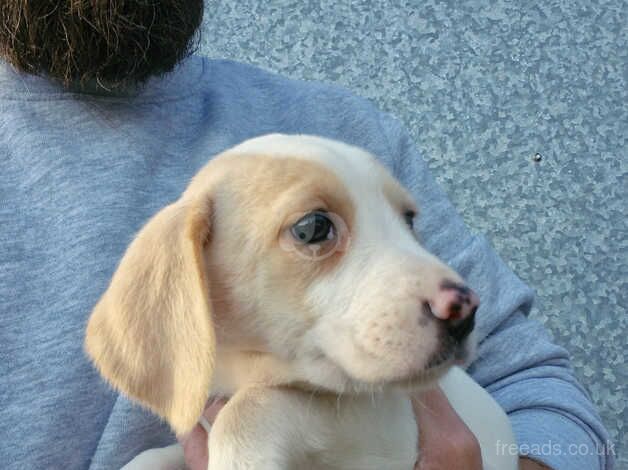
point(483, 86)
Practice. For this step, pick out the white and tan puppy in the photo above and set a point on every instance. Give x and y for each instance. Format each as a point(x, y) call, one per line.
point(288, 277)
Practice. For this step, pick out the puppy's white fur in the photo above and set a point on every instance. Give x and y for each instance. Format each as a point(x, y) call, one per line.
point(318, 349)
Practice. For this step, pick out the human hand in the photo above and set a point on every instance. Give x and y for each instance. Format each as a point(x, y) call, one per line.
point(529, 464)
point(445, 441)
point(195, 442)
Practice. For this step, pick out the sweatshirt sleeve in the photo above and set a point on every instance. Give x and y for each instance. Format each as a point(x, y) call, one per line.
point(552, 416)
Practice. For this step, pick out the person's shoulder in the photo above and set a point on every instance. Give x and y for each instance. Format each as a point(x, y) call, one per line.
point(227, 69)
point(247, 77)
point(306, 106)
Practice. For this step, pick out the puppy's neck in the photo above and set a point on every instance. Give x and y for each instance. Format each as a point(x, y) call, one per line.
point(240, 369)
point(237, 369)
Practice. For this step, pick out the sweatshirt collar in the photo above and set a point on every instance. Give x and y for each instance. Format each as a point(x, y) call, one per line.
point(185, 77)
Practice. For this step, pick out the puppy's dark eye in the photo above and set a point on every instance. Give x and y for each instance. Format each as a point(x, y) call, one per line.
point(409, 216)
point(315, 227)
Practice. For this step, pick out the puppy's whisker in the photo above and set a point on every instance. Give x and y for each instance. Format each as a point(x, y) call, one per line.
point(408, 378)
point(311, 398)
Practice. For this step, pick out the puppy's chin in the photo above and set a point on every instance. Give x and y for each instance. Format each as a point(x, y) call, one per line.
point(339, 382)
point(330, 377)
point(428, 376)
point(460, 355)
point(456, 354)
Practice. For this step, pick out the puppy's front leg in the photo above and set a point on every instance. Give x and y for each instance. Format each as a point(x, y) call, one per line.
point(263, 429)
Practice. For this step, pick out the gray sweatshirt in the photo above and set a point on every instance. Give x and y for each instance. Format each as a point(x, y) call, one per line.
point(79, 175)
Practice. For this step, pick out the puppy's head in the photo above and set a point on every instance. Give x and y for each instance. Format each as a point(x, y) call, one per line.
point(294, 248)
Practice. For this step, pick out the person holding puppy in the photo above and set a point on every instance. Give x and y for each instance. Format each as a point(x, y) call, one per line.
point(104, 117)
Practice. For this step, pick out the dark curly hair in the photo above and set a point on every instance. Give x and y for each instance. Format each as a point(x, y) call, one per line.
point(112, 42)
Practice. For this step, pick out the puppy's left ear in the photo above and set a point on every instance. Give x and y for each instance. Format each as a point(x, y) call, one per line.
point(151, 333)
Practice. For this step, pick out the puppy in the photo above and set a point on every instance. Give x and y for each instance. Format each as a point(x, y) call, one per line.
point(288, 277)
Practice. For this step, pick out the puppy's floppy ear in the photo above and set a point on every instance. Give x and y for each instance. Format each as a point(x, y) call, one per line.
point(151, 333)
